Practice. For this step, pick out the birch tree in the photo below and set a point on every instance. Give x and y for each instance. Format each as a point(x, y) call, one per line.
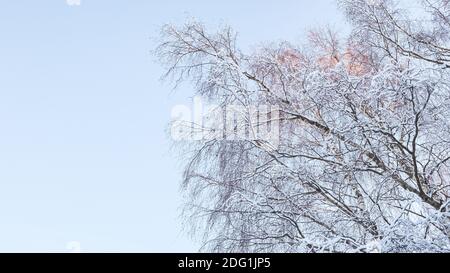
point(362, 163)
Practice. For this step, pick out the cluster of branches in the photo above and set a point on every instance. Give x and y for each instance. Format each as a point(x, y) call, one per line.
point(363, 163)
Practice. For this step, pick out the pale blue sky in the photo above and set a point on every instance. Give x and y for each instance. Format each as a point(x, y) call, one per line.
point(84, 155)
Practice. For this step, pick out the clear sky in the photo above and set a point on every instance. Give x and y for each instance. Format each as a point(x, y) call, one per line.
point(84, 154)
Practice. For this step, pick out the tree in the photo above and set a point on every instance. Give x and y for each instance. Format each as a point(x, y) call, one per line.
point(362, 163)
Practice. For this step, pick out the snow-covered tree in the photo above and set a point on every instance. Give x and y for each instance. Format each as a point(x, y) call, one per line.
point(362, 163)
